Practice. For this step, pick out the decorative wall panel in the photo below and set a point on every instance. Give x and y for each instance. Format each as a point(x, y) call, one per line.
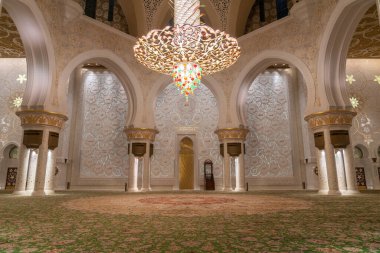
point(268, 144)
point(199, 117)
point(104, 148)
point(11, 91)
point(363, 88)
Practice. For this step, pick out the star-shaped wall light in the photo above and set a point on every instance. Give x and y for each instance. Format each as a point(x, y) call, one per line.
point(350, 79)
point(21, 78)
point(377, 79)
point(354, 102)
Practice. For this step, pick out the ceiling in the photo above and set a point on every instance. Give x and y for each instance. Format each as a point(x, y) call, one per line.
point(366, 40)
point(219, 14)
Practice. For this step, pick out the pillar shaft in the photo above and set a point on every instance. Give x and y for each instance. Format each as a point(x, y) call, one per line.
point(132, 175)
point(330, 163)
point(240, 175)
point(39, 185)
point(146, 169)
point(227, 169)
point(50, 172)
point(22, 171)
point(350, 169)
point(322, 172)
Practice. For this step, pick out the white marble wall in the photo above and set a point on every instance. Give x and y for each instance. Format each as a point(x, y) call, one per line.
point(363, 83)
point(104, 144)
point(10, 70)
point(268, 145)
point(10, 88)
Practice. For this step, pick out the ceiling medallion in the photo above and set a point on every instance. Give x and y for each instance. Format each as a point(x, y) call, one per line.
point(188, 50)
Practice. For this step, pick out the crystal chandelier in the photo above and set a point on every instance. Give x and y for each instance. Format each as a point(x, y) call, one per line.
point(188, 50)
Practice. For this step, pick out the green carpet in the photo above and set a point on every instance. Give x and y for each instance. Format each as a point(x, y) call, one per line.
point(329, 224)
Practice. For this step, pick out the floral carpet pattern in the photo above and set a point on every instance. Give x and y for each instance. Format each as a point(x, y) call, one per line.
point(314, 223)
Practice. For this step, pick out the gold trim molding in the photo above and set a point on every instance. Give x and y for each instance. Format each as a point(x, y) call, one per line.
point(140, 133)
point(330, 118)
point(232, 134)
point(41, 118)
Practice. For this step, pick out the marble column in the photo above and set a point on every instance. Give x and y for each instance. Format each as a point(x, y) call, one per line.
point(39, 185)
point(325, 122)
point(34, 176)
point(50, 172)
point(322, 172)
point(240, 172)
point(233, 135)
point(132, 175)
point(226, 169)
point(141, 135)
point(332, 177)
point(22, 171)
point(350, 170)
point(146, 169)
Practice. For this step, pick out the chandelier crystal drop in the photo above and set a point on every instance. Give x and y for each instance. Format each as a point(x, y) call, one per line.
point(188, 50)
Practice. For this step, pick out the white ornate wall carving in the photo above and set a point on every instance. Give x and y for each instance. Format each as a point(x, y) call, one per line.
point(104, 150)
point(200, 117)
point(268, 144)
point(10, 70)
point(365, 87)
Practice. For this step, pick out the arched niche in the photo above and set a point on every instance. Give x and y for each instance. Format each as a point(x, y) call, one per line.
point(208, 81)
point(175, 119)
point(364, 151)
point(7, 161)
point(334, 48)
point(257, 65)
point(38, 48)
point(115, 64)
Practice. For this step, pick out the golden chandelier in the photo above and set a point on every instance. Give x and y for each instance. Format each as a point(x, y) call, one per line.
point(188, 50)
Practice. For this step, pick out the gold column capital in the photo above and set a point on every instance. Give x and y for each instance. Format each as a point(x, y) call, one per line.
point(232, 134)
point(41, 118)
point(134, 133)
point(330, 118)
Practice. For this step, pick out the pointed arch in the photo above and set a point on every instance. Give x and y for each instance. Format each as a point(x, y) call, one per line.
point(114, 63)
point(253, 68)
point(39, 51)
point(334, 48)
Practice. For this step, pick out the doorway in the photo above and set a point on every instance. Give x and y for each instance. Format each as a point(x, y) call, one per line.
point(186, 164)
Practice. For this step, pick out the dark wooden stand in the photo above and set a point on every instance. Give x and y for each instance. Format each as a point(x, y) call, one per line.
point(209, 175)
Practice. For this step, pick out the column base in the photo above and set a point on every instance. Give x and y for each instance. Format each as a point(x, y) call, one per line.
point(227, 189)
point(38, 193)
point(145, 189)
point(350, 192)
point(241, 189)
point(329, 192)
point(21, 193)
point(133, 190)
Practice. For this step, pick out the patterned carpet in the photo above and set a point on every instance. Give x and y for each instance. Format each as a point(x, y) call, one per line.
point(190, 222)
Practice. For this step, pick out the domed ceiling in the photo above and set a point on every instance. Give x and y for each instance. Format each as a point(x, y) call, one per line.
point(137, 17)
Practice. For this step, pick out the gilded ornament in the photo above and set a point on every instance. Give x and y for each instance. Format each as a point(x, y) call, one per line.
point(330, 118)
point(37, 117)
point(141, 133)
point(232, 133)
